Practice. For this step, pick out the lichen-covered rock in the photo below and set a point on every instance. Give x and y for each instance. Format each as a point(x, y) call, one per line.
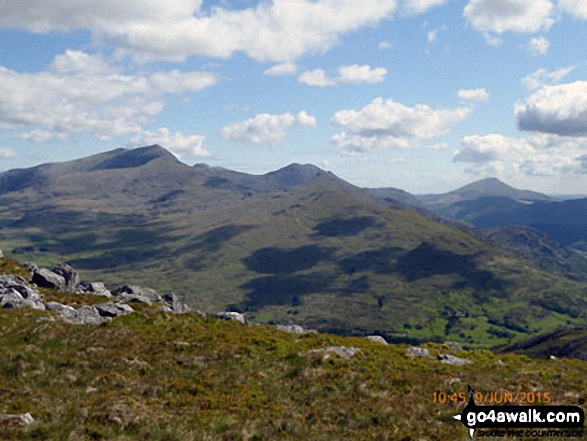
point(232, 316)
point(111, 309)
point(292, 329)
point(134, 293)
point(173, 303)
point(341, 351)
point(377, 339)
point(95, 288)
point(70, 275)
point(418, 352)
point(452, 360)
point(48, 279)
point(85, 315)
point(12, 299)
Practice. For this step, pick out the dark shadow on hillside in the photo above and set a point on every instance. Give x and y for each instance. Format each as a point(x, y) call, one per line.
point(283, 289)
point(377, 261)
point(280, 261)
point(426, 261)
point(344, 227)
point(209, 242)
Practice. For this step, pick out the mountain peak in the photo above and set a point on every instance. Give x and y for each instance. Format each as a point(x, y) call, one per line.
point(136, 157)
point(493, 187)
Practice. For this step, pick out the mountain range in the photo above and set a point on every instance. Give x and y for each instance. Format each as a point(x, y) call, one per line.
point(298, 245)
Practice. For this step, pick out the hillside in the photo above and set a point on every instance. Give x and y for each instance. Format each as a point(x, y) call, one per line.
point(160, 376)
point(295, 246)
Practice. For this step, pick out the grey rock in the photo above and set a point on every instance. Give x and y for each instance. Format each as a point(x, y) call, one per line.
point(30, 266)
point(138, 292)
point(341, 351)
point(23, 419)
point(452, 360)
point(377, 339)
point(48, 279)
point(174, 304)
point(418, 352)
point(111, 309)
point(12, 299)
point(85, 315)
point(454, 345)
point(232, 316)
point(10, 283)
point(1, 254)
point(134, 298)
point(70, 275)
point(95, 288)
point(292, 329)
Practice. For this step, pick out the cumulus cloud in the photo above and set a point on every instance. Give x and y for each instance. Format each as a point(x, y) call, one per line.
point(500, 16)
point(281, 30)
point(473, 94)
point(281, 69)
point(578, 8)
point(385, 44)
point(414, 7)
point(536, 155)
point(266, 128)
point(80, 93)
point(389, 124)
point(176, 142)
point(542, 77)
point(347, 75)
point(7, 153)
point(559, 109)
point(539, 46)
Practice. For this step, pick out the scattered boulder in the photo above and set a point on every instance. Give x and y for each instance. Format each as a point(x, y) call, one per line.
point(12, 299)
point(15, 292)
point(173, 303)
point(111, 309)
point(452, 360)
point(292, 329)
point(70, 275)
point(377, 339)
point(1, 254)
point(30, 266)
point(134, 293)
point(454, 345)
point(232, 316)
point(23, 419)
point(48, 279)
point(418, 352)
point(84, 315)
point(95, 288)
point(341, 351)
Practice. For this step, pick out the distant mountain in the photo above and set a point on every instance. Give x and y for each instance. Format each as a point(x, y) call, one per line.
point(298, 245)
point(566, 342)
point(491, 203)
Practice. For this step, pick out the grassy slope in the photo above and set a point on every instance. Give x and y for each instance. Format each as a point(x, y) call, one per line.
point(155, 376)
point(323, 255)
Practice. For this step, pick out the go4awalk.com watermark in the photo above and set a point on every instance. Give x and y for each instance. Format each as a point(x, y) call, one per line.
point(549, 422)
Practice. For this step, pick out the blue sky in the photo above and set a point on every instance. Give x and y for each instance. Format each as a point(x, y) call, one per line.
point(423, 95)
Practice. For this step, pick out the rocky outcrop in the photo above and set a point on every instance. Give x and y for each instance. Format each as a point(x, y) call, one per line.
point(292, 329)
point(111, 309)
point(70, 276)
point(232, 316)
point(418, 352)
point(95, 288)
point(377, 339)
point(452, 360)
point(341, 351)
point(23, 419)
point(15, 292)
point(48, 279)
point(137, 294)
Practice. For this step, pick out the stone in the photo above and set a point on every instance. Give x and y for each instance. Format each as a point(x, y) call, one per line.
point(452, 360)
point(418, 352)
point(111, 309)
point(1, 254)
point(12, 299)
point(48, 279)
point(292, 329)
point(95, 288)
point(454, 345)
point(70, 275)
point(377, 339)
point(138, 292)
point(341, 351)
point(232, 316)
point(23, 419)
point(85, 315)
point(30, 266)
point(172, 301)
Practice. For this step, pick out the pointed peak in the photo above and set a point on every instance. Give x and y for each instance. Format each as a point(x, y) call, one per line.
point(136, 157)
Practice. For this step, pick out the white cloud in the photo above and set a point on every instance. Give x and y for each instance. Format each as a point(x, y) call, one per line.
point(281, 70)
point(316, 77)
point(439, 146)
point(395, 161)
point(176, 142)
point(81, 94)
point(473, 94)
point(578, 8)
point(7, 153)
point(347, 75)
point(266, 128)
point(539, 46)
point(281, 30)
point(536, 155)
point(500, 16)
point(559, 109)
point(388, 124)
point(542, 77)
point(414, 7)
point(432, 35)
point(385, 44)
